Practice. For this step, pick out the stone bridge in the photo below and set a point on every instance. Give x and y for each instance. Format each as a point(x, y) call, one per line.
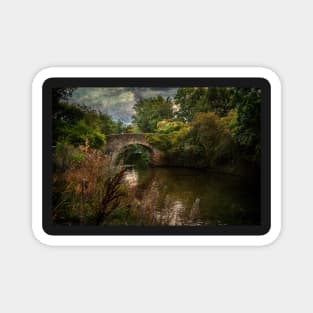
point(117, 143)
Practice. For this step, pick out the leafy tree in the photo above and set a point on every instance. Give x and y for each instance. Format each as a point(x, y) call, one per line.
point(204, 142)
point(247, 129)
point(209, 133)
point(150, 111)
point(78, 124)
point(79, 133)
point(73, 125)
point(120, 127)
point(166, 126)
point(187, 100)
point(203, 99)
point(61, 95)
point(106, 124)
point(169, 135)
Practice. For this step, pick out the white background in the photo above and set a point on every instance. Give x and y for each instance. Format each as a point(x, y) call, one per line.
point(37, 34)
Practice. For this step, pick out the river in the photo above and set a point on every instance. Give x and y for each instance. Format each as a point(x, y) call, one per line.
point(180, 196)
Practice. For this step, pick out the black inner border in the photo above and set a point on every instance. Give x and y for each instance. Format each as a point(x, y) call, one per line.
point(249, 82)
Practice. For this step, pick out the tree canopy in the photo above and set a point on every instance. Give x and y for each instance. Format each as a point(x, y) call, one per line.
point(203, 99)
point(148, 112)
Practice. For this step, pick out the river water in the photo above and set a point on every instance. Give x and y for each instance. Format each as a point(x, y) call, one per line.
point(179, 196)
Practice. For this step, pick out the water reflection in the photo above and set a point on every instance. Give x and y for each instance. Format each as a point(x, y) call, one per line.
point(131, 178)
point(176, 196)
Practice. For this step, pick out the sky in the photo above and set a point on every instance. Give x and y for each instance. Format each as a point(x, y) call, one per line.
point(118, 101)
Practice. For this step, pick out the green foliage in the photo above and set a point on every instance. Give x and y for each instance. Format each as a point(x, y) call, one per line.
point(166, 126)
point(150, 111)
point(80, 125)
point(212, 138)
point(238, 112)
point(106, 124)
point(169, 135)
point(203, 99)
point(160, 141)
point(66, 113)
point(78, 133)
point(247, 128)
point(76, 125)
point(205, 142)
point(61, 94)
point(136, 155)
point(132, 129)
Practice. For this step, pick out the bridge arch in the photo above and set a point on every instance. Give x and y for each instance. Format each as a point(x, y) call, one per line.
point(116, 144)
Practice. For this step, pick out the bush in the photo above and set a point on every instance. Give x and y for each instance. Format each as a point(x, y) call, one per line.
point(67, 156)
point(78, 133)
point(205, 142)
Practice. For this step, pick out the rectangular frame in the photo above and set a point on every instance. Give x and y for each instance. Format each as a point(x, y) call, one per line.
point(244, 235)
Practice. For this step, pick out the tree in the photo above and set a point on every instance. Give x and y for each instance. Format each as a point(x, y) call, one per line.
point(107, 125)
point(169, 135)
point(75, 126)
point(247, 129)
point(150, 111)
point(206, 133)
point(203, 99)
point(121, 128)
point(61, 94)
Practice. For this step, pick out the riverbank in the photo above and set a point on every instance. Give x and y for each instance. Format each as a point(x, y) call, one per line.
point(239, 168)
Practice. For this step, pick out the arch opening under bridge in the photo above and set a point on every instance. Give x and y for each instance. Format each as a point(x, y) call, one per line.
point(116, 144)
